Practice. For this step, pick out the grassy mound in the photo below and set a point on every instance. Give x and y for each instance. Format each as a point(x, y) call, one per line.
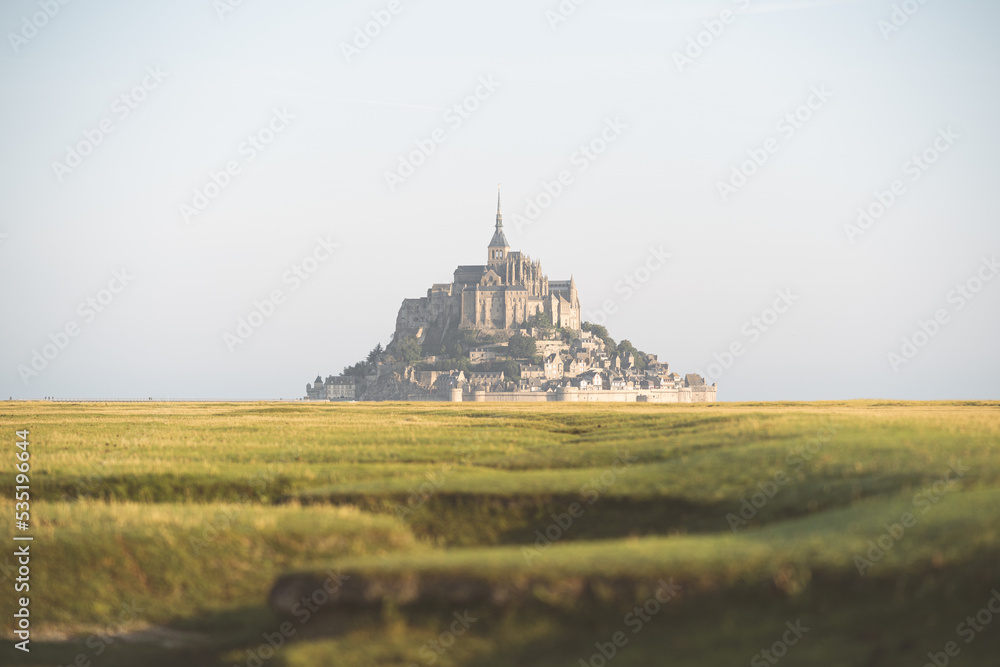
point(960, 535)
point(98, 563)
point(862, 604)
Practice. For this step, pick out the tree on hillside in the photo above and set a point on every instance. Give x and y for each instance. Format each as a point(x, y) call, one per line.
point(462, 364)
point(409, 350)
point(626, 347)
point(596, 329)
point(357, 370)
point(375, 354)
point(521, 347)
point(540, 320)
point(511, 369)
point(609, 343)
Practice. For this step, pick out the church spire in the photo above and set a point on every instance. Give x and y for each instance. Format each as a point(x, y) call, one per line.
point(498, 245)
point(499, 214)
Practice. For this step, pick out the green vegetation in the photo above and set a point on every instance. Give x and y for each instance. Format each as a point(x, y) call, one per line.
point(541, 320)
point(367, 365)
point(511, 368)
point(460, 364)
point(456, 343)
point(521, 347)
point(622, 349)
point(763, 513)
point(626, 348)
point(602, 333)
point(175, 560)
point(408, 350)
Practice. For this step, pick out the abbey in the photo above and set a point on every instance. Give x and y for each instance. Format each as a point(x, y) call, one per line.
point(502, 331)
point(504, 293)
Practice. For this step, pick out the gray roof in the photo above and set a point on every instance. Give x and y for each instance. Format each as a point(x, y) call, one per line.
point(469, 274)
point(499, 240)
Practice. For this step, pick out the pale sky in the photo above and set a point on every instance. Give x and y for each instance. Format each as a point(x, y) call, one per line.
point(831, 103)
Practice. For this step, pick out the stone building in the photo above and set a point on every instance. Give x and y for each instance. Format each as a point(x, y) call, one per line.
point(488, 380)
point(336, 388)
point(530, 371)
point(504, 293)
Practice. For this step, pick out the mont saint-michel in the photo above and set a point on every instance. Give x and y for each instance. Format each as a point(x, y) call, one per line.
point(503, 331)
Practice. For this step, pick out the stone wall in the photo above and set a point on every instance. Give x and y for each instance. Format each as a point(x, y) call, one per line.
point(574, 395)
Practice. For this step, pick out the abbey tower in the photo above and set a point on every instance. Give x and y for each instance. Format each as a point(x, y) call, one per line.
point(502, 294)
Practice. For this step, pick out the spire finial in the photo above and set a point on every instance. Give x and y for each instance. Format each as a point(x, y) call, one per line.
point(499, 215)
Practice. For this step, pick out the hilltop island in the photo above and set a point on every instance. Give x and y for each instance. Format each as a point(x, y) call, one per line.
point(502, 331)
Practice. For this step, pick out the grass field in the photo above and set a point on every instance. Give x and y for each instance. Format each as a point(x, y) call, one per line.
point(439, 534)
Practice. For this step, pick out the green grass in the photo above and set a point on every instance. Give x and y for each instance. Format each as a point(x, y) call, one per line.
point(194, 510)
point(180, 560)
point(962, 530)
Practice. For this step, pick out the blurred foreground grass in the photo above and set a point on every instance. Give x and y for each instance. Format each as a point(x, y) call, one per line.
point(190, 512)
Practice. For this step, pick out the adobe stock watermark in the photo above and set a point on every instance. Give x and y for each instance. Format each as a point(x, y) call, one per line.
point(562, 12)
point(248, 150)
point(968, 629)
point(227, 516)
point(365, 34)
point(764, 492)
point(958, 297)
point(87, 310)
point(303, 610)
point(779, 649)
point(752, 503)
point(630, 283)
point(433, 649)
point(420, 494)
point(635, 620)
point(714, 28)
point(31, 25)
point(582, 158)
point(786, 127)
point(752, 331)
point(591, 492)
point(121, 108)
point(91, 485)
point(913, 169)
point(923, 500)
point(453, 118)
point(265, 308)
point(224, 7)
point(99, 642)
point(899, 17)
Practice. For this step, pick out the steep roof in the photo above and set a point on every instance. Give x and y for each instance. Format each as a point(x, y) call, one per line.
point(499, 240)
point(694, 380)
